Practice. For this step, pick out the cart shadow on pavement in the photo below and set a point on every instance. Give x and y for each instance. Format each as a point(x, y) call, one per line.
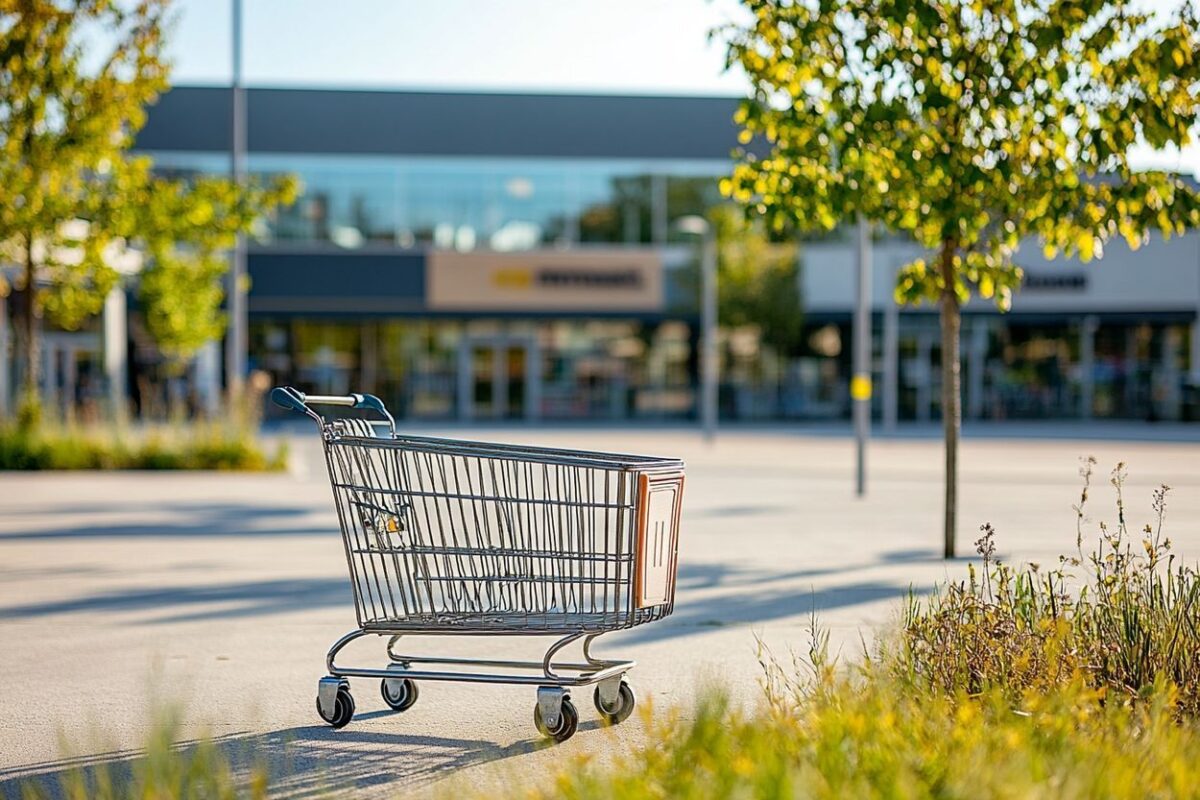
point(173, 520)
point(300, 762)
point(175, 604)
point(715, 595)
point(711, 594)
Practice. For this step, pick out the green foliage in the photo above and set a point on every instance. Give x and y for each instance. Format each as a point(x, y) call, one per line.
point(867, 735)
point(184, 231)
point(205, 446)
point(968, 125)
point(62, 124)
point(758, 279)
point(73, 203)
point(1129, 621)
point(860, 734)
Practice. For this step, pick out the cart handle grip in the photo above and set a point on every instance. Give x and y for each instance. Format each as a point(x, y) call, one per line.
point(296, 400)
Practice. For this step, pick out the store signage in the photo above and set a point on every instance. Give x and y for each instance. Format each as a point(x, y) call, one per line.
point(545, 281)
point(1055, 281)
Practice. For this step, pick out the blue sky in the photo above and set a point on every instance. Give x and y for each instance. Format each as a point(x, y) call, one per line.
point(624, 46)
point(642, 46)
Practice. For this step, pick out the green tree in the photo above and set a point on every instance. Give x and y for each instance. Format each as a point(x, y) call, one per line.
point(184, 230)
point(758, 280)
point(970, 125)
point(71, 199)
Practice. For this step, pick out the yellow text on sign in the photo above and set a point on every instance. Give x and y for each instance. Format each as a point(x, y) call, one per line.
point(860, 387)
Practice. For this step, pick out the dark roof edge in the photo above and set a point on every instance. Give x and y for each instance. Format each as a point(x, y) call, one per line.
point(456, 92)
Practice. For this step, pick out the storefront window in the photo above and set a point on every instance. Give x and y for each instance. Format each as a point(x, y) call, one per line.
point(349, 202)
point(615, 207)
point(185, 165)
point(689, 195)
point(469, 203)
point(465, 204)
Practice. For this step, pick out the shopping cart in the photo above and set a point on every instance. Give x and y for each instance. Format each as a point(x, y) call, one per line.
point(449, 537)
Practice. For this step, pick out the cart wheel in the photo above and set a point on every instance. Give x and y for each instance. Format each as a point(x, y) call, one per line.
point(343, 710)
point(624, 704)
point(568, 721)
point(398, 693)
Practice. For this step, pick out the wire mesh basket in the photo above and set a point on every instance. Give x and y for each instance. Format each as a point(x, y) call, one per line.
point(445, 536)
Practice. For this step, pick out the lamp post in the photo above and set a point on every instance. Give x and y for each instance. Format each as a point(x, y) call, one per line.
point(236, 339)
point(709, 361)
point(860, 382)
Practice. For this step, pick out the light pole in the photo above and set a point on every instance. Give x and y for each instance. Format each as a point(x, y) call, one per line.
point(709, 361)
point(860, 382)
point(236, 337)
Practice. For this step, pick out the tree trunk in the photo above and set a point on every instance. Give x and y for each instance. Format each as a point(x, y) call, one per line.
point(951, 390)
point(31, 340)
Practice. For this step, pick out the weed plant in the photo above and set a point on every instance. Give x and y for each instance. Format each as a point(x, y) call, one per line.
point(1122, 618)
point(1077, 682)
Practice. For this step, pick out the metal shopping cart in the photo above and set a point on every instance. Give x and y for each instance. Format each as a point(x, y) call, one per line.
point(448, 537)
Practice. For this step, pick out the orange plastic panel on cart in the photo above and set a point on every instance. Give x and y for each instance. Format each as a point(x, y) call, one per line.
point(660, 500)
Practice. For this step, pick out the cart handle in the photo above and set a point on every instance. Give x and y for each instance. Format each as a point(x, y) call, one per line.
point(296, 400)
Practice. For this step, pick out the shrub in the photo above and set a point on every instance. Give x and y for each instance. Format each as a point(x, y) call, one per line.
point(1129, 618)
point(200, 446)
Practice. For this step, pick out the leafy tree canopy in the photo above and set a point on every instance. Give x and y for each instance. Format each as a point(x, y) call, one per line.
point(968, 124)
point(73, 201)
point(758, 279)
point(63, 124)
point(185, 231)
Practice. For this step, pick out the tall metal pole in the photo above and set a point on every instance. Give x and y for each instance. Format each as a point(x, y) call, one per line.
point(236, 337)
point(4, 363)
point(710, 363)
point(860, 383)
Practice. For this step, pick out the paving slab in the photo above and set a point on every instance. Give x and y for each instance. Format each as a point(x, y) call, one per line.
point(218, 594)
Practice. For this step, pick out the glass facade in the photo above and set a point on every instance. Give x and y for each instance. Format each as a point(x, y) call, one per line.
point(468, 203)
point(488, 369)
point(571, 367)
point(479, 367)
point(1076, 367)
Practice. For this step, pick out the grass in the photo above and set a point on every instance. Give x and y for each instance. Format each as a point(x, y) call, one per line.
point(165, 771)
point(1082, 681)
point(30, 442)
point(867, 735)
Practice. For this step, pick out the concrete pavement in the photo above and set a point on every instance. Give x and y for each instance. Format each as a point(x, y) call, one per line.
point(120, 592)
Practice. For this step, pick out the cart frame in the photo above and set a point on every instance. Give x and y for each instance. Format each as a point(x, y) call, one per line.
point(445, 588)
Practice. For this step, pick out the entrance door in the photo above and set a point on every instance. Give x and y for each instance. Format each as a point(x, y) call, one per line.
point(497, 379)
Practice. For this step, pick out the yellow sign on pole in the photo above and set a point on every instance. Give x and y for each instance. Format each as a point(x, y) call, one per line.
point(860, 387)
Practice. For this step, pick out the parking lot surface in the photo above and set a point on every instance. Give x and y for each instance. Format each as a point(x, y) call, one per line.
point(122, 594)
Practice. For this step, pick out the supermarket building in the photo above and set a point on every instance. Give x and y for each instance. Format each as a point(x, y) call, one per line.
point(470, 256)
point(507, 256)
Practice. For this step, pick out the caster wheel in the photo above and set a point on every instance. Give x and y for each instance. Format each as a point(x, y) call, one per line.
point(624, 705)
point(398, 693)
point(343, 710)
point(568, 722)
